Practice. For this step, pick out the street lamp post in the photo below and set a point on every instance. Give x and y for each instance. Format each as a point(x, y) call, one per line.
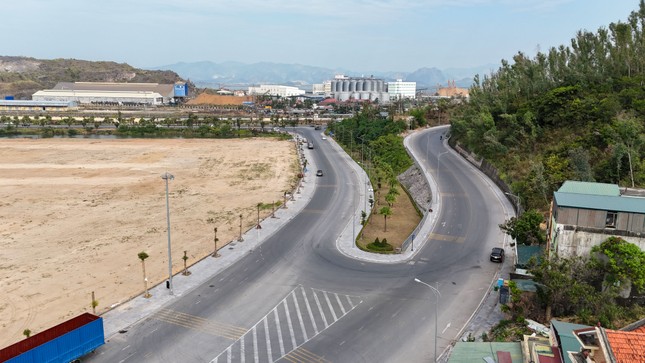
point(436, 314)
point(167, 176)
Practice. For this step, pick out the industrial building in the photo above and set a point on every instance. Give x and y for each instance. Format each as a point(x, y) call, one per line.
point(30, 105)
point(345, 88)
point(399, 89)
point(276, 90)
point(114, 93)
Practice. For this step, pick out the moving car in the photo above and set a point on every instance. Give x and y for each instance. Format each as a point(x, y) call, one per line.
point(319, 173)
point(497, 255)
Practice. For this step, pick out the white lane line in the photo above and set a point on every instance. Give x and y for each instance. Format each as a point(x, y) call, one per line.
point(126, 347)
point(302, 324)
point(350, 301)
point(229, 355)
point(342, 308)
point(255, 345)
point(322, 313)
point(311, 315)
point(293, 337)
point(242, 354)
point(333, 313)
point(277, 323)
point(268, 339)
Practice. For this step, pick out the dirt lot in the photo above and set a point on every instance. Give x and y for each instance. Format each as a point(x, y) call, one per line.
point(76, 212)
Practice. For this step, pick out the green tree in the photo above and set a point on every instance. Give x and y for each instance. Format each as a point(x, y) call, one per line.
point(142, 256)
point(385, 212)
point(525, 229)
point(622, 263)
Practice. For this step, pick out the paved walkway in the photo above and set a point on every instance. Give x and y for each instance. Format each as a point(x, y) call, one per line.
point(121, 317)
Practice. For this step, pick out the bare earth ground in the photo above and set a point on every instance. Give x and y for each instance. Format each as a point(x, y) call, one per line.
point(76, 212)
point(400, 224)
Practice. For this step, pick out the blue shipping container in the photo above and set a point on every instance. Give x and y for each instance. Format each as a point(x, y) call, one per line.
point(67, 347)
point(9, 98)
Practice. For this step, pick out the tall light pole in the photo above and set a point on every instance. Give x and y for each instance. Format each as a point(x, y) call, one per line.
point(167, 176)
point(436, 315)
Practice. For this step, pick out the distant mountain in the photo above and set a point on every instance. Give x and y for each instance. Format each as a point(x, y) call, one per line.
point(241, 75)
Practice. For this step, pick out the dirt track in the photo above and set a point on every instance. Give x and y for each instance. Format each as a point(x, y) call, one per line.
point(76, 212)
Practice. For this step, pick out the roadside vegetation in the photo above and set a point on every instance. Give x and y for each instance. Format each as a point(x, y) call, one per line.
point(573, 112)
point(190, 127)
point(376, 142)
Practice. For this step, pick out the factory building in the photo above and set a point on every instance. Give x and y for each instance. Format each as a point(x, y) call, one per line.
point(114, 93)
point(30, 105)
point(359, 88)
point(400, 90)
point(276, 90)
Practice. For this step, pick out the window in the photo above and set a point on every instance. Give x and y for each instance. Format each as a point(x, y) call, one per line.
point(611, 219)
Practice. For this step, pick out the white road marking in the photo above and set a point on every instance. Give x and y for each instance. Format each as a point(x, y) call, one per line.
point(333, 313)
point(293, 337)
point(302, 323)
point(277, 323)
point(268, 339)
point(255, 345)
point(322, 313)
point(446, 328)
point(342, 308)
point(311, 315)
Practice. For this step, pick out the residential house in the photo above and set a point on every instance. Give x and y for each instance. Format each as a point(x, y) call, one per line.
point(584, 214)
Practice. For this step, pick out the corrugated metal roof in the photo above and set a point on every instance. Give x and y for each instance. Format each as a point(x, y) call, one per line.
point(572, 186)
point(96, 94)
point(468, 352)
point(568, 341)
point(168, 90)
point(35, 103)
point(600, 202)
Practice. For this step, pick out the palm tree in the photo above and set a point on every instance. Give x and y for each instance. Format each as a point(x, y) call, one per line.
point(385, 211)
point(215, 239)
point(185, 258)
point(142, 256)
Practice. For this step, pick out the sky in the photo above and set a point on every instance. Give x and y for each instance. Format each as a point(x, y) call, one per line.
point(365, 35)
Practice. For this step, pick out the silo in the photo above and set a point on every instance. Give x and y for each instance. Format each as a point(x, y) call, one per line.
point(352, 85)
point(359, 85)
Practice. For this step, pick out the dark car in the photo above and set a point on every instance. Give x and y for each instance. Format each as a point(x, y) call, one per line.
point(319, 173)
point(497, 255)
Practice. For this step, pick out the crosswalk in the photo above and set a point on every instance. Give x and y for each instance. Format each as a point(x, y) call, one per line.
point(298, 318)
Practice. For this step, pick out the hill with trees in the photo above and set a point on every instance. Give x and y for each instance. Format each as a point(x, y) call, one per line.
point(21, 76)
point(573, 112)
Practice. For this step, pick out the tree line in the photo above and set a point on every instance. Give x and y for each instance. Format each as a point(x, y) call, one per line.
point(573, 112)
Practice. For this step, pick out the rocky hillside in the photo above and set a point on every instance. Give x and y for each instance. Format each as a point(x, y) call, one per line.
point(21, 77)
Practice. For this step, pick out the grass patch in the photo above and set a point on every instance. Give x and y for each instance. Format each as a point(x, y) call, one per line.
point(400, 224)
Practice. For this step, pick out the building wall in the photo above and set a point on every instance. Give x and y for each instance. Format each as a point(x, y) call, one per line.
point(400, 89)
point(276, 90)
point(631, 222)
point(570, 242)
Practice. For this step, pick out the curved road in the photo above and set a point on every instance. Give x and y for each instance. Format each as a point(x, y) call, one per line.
point(296, 298)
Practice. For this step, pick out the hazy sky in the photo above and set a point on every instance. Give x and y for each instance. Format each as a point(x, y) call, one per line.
point(377, 35)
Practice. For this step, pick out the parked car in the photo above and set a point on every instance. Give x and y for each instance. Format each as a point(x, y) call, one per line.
point(497, 255)
point(319, 173)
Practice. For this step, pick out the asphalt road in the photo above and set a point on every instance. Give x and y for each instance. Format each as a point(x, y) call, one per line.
point(297, 299)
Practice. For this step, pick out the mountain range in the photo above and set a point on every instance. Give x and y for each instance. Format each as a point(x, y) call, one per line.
point(237, 75)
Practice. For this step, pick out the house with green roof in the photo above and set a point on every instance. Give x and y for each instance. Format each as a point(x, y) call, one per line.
point(584, 214)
